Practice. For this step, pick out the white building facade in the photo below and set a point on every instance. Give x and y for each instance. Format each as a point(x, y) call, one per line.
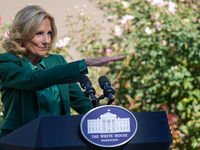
point(108, 123)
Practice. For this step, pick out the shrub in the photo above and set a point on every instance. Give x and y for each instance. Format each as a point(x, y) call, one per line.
point(161, 72)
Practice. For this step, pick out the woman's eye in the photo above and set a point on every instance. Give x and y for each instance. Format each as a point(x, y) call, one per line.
point(39, 33)
point(50, 32)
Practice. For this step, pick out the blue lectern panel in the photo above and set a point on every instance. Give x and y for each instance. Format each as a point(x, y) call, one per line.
point(63, 133)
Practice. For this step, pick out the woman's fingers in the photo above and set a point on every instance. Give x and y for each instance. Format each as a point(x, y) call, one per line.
point(102, 61)
point(118, 58)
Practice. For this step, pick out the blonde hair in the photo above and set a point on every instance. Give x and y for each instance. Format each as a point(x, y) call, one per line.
point(24, 26)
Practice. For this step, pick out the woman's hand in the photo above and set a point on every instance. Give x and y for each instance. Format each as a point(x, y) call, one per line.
point(102, 61)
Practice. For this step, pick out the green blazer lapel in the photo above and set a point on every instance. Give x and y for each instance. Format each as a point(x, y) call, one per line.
point(65, 97)
point(24, 63)
point(32, 111)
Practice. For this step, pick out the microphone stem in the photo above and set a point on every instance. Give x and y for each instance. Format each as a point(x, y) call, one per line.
point(111, 98)
point(93, 99)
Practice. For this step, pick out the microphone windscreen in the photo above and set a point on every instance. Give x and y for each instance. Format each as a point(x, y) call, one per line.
point(102, 80)
point(83, 79)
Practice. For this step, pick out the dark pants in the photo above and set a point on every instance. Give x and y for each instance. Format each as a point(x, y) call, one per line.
point(2, 134)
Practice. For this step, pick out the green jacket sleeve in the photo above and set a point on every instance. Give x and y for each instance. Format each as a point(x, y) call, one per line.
point(14, 75)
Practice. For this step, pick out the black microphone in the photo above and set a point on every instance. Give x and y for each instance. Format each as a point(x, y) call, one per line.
point(88, 89)
point(108, 91)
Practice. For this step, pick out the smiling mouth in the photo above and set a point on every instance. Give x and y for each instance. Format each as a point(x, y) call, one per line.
point(43, 48)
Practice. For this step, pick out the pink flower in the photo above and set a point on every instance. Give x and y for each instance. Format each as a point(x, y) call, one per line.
point(129, 17)
point(123, 21)
point(158, 25)
point(148, 31)
point(118, 34)
point(126, 18)
point(174, 118)
point(172, 4)
point(165, 107)
point(125, 4)
point(66, 40)
point(108, 51)
point(159, 3)
point(63, 42)
point(60, 44)
point(6, 34)
point(172, 7)
point(156, 16)
point(118, 31)
point(164, 43)
point(172, 10)
point(0, 19)
point(169, 116)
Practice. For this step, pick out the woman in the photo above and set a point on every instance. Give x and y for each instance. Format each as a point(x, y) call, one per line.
point(33, 82)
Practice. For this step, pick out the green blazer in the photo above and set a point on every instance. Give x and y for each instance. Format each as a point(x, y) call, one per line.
point(18, 84)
